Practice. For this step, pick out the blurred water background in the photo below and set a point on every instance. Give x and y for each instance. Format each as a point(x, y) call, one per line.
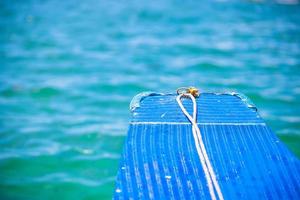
point(68, 70)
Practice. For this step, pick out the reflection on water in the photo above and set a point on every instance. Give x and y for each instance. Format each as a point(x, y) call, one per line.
point(69, 70)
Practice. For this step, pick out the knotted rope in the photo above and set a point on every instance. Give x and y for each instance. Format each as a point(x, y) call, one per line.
point(210, 176)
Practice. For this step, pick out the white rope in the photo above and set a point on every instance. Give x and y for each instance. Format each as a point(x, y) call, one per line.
point(210, 176)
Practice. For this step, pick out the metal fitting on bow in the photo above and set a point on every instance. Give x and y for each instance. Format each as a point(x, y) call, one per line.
point(188, 90)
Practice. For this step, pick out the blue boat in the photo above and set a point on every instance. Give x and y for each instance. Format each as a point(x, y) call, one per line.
point(160, 159)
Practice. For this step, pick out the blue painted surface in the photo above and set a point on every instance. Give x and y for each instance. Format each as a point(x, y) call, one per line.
point(160, 160)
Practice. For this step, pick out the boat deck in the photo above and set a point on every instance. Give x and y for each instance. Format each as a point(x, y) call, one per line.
point(160, 160)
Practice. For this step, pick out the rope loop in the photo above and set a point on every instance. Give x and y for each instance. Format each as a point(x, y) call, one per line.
point(210, 176)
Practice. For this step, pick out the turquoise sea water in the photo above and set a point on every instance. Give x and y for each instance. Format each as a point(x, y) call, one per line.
point(68, 70)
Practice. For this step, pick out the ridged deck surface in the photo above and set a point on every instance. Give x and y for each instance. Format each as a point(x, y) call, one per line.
point(160, 160)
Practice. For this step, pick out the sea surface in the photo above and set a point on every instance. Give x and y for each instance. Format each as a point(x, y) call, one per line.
point(68, 70)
